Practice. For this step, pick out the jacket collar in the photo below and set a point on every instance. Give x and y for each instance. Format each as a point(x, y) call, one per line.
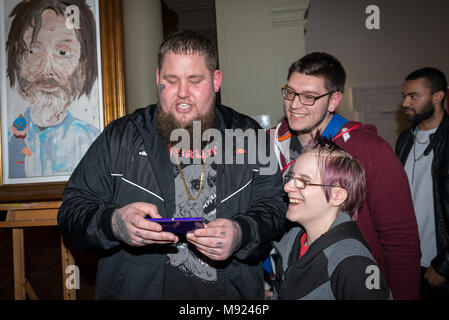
point(158, 153)
point(435, 138)
point(283, 136)
point(442, 129)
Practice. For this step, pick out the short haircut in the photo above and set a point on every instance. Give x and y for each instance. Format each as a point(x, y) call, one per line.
point(28, 14)
point(339, 168)
point(434, 77)
point(322, 65)
point(188, 43)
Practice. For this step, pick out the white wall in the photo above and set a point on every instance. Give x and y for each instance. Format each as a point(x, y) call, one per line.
point(142, 34)
point(413, 34)
point(257, 41)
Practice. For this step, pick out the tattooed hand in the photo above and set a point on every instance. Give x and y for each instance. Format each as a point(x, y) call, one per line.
point(218, 240)
point(130, 226)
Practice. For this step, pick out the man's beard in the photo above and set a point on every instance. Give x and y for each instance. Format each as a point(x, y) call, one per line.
point(312, 128)
point(166, 123)
point(427, 111)
point(48, 109)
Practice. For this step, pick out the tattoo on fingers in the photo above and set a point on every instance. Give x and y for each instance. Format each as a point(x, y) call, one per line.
point(213, 254)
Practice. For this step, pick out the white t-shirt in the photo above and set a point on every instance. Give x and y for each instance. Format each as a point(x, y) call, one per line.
point(419, 172)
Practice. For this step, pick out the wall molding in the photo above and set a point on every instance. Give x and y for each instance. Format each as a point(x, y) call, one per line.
point(289, 15)
point(187, 6)
point(380, 105)
point(385, 94)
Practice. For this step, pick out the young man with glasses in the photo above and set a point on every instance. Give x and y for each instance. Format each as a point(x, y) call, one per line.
point(325, 188)
point(313, 91)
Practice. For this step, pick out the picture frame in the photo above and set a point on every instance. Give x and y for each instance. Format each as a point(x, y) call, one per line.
point(113, 101)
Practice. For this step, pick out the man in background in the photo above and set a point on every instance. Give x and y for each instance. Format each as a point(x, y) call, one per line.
point(424, 151)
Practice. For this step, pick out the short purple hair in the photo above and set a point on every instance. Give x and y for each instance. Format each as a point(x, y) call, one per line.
point(339, 168)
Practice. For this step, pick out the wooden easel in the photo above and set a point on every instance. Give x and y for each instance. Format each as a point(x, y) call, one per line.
point(25, 215)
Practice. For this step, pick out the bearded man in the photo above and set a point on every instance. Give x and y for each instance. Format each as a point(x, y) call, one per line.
point(424, 151)
point(133, 172)
point(52, 65)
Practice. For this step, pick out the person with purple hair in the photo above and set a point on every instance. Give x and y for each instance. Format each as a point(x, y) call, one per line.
point(325, 256)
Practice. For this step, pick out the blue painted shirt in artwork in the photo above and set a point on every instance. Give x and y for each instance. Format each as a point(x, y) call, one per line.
point(57, 150)
point(16, 157)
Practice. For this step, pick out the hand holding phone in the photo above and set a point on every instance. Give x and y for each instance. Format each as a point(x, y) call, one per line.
point(129, 225)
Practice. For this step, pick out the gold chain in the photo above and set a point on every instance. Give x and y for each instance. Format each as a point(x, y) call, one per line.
point(189, 195)
point(184, 180)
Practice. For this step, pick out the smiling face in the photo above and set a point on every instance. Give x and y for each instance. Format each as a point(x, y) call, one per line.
point(186, 87)
point(308, 119)
point(307, 205)
point(50, 76)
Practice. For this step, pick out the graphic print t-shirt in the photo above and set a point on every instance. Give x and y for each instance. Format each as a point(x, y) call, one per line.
point(189, 274)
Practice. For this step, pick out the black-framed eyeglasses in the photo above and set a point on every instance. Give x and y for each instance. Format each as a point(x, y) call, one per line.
point(300, 183)
point(304, 98)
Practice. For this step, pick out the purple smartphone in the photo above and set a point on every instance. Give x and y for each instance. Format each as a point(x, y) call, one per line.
point(179, 225)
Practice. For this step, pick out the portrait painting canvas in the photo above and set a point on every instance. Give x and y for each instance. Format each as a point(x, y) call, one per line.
point(51, 95)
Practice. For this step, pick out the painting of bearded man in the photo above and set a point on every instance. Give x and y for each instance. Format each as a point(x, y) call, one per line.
point(52, 68)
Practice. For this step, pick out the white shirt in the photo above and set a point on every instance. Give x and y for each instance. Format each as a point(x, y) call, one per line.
point(419, 172)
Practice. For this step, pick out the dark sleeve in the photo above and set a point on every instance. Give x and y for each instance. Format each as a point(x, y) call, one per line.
point(441, 263)
point(85, 214)
point(264, 220)
point(359, 278)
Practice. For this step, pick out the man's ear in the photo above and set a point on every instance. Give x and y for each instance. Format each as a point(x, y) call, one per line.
point(338, 196)
point(437, 97)
point(334, 101)
point(218, 78)
point(157, 77)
